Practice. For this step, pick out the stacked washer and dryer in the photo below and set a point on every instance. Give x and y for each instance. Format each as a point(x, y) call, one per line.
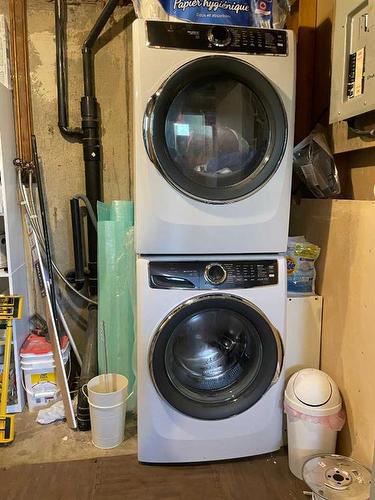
point(214, 117)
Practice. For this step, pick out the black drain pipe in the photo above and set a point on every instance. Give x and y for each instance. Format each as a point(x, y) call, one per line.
point(89, 133)
point(73, 134)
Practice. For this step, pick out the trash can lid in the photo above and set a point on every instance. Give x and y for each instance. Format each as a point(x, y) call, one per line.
point(337, 477)
point(312, 387)
point(313, 392)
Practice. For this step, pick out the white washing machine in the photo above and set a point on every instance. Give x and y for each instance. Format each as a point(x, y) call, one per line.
point(210, 337)
point(213, 136)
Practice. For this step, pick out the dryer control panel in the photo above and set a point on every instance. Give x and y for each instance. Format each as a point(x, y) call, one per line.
point(206, 37)
point(222, 275)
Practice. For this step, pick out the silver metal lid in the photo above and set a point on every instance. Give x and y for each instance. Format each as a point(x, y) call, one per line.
point(334, 477)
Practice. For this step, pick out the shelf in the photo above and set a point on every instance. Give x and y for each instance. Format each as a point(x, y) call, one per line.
point(14, 277)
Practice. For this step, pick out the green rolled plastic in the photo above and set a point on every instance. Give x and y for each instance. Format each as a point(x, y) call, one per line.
point(116, 274)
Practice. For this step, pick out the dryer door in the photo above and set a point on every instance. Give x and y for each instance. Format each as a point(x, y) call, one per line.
point(215, 356)
point(216, 130)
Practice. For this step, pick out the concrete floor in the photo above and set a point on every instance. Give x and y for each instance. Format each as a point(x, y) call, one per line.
point(36, 444)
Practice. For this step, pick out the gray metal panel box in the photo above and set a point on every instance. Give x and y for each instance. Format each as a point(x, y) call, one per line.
point(353, 59)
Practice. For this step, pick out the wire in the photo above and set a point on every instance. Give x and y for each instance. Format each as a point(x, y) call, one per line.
point(358, 131)
point(90, 210)
point(33, 218)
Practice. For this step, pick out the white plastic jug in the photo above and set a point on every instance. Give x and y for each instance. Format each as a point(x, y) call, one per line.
point(107, 396)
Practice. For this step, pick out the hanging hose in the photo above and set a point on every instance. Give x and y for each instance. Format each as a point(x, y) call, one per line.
point(36, 227)
point(90, 210)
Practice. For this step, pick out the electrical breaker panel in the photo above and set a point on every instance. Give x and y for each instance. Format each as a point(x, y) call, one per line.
point(353, 59)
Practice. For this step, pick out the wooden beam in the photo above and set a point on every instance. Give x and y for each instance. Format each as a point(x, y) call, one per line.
point(302, 21)
point(21, 76)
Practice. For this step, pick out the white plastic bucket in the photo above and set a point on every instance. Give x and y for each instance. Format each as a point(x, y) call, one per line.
point(107, 396)
point(40, 379)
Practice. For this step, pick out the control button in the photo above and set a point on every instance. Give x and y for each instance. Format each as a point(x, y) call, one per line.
point(215, 274)
point(220, 36)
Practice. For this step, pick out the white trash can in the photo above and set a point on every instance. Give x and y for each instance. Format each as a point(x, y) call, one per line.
point(314, 416)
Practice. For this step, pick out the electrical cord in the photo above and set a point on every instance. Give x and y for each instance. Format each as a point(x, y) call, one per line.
point(36, 227)
point(359, 131)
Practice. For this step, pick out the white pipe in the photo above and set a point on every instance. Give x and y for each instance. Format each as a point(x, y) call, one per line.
point(70, 337)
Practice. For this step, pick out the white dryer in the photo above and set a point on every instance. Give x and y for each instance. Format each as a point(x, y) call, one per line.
point(210, 337)
point(213, 137)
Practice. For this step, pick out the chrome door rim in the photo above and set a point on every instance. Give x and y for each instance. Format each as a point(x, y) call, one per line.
point(196, 300)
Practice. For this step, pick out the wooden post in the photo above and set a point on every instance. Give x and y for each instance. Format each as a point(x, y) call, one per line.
point(21, 74)
point(303, 22)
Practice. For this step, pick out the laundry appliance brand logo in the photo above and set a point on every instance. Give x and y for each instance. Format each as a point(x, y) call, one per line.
point(211, 5)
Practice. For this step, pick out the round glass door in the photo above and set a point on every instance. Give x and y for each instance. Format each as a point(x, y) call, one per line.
point(215, 357)
point(216, 129)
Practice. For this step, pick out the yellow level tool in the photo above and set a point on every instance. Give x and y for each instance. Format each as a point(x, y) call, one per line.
point(10, 309)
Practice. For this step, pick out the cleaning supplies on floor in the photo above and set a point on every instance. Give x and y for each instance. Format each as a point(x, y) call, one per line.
point(301, 257)
point(314, 416)
point(335, 477)
point(259, 13)
point(38, 368)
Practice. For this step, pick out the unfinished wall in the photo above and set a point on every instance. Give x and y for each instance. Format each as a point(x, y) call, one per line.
point(345, 231)
point(63, 161)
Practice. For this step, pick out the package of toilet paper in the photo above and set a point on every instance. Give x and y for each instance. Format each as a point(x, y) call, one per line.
point(229, 12)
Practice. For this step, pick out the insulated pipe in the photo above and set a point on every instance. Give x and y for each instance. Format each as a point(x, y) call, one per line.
point(74, 134)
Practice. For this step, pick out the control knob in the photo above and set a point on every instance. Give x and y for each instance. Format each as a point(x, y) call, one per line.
point(215, 274)
point(220, 36)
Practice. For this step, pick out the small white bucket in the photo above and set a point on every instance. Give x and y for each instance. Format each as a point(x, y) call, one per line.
point(107, 396)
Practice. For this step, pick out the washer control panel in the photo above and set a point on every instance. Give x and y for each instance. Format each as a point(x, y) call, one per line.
point(207, 37)
point(222, 275)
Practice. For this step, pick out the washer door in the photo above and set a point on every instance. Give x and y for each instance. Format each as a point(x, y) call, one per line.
point(216, 130)
point(215, 356)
